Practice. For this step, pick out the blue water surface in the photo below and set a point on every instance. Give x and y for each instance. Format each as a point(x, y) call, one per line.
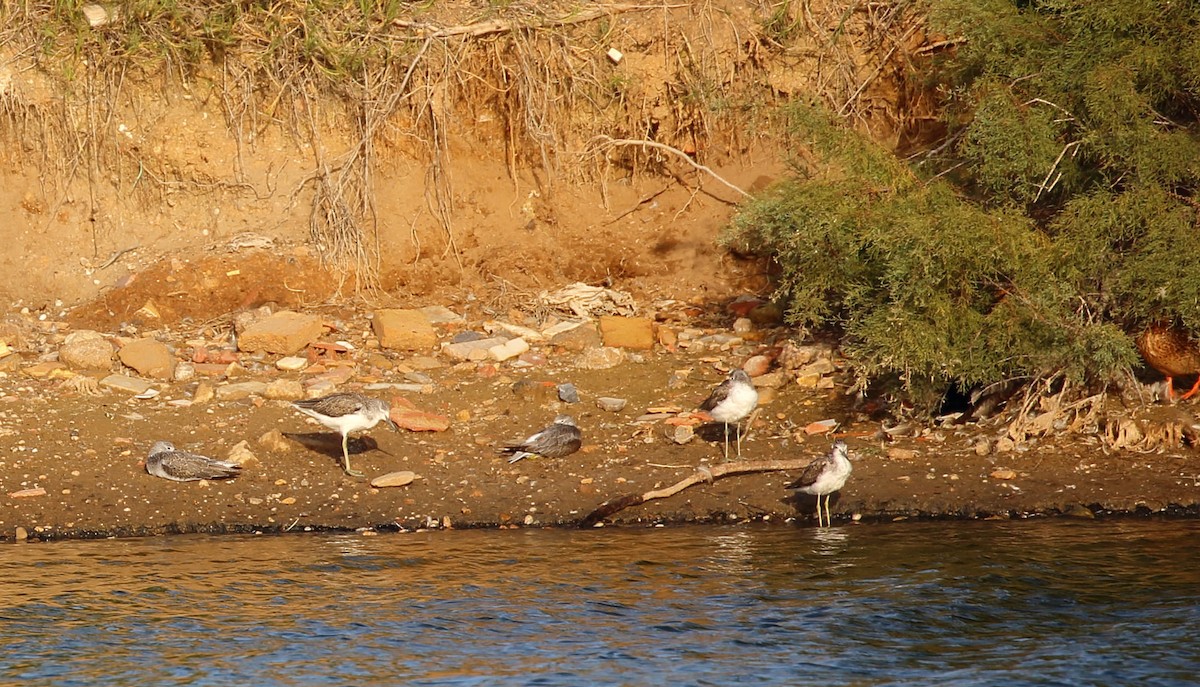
point(993, 603)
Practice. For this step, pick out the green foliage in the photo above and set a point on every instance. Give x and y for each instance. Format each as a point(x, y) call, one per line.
point(1060, 214)
point(926, 286)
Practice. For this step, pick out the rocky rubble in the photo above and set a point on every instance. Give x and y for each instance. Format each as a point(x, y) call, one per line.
point(78, 408)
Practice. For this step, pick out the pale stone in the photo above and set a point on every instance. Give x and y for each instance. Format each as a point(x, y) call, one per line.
point(291, 363)
point(284, 390)
point(560, 328)
point(149, 357)
point(283, 333)
point(742, 325)
point(464, 350)
point(233, 392)
point(394, 479)
point(612, 405)
point(243, 320)
point(1003, 473)
point(808, 381)
point(96, 15)
point(241, 454)
point(274, 442)
point(771, 380)
point(508, 349)
point(184, 371)
point(682, 434)
point(406, 330)
point(601, 358)
point(319, 387)
point(424, 362)
point(794, 356)
point(204, 393)
point(40, 370)
point(126, 383)
point(514, 330)
point(86, 350)
point(438, 314)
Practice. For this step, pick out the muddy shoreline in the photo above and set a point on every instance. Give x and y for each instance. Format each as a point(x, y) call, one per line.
point(70, 450)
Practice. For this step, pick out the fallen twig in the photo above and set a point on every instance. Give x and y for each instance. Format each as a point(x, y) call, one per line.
point(702, 474)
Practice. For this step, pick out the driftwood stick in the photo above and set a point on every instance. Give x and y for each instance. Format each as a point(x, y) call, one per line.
point(702, 474)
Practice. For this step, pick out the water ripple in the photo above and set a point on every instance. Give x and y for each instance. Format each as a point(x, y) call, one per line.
point(1051, 603)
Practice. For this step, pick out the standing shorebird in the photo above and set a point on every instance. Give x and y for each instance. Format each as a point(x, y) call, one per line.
point(824, 476)
point(345, 413)
point(1173, 352)
point(167, 462)
point(561, 438)
point(732, 401)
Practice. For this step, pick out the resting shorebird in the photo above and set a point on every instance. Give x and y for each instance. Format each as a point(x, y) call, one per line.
point(561, 438)
point(1173, 352)
point(167, 462)
point(732, 401)
point(824, 476)
point(345, 413)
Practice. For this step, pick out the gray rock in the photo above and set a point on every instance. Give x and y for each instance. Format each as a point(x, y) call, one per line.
point(567, 393)
point(468, 336)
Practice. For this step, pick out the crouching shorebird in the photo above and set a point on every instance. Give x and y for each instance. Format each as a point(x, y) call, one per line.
point(181, 466)
point(824, 476)
point(561, 438)
point(345, 413)
point(731, 401)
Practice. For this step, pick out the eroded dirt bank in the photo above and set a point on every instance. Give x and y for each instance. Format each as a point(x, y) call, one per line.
point(71, 448)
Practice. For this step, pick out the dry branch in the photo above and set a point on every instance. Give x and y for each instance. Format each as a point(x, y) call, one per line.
point(485, 28)
point(608, 141)
point(702, 474)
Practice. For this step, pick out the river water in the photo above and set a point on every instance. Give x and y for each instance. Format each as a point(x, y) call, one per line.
point(1011, 603)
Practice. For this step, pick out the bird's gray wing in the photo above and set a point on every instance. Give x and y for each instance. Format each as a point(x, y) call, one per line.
point(812, 472)
point(555, 441)
point(718, 395)
point(195, 466)
point(334, 405)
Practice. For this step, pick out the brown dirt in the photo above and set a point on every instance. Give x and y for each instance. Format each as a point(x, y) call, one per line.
point(84, 452)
